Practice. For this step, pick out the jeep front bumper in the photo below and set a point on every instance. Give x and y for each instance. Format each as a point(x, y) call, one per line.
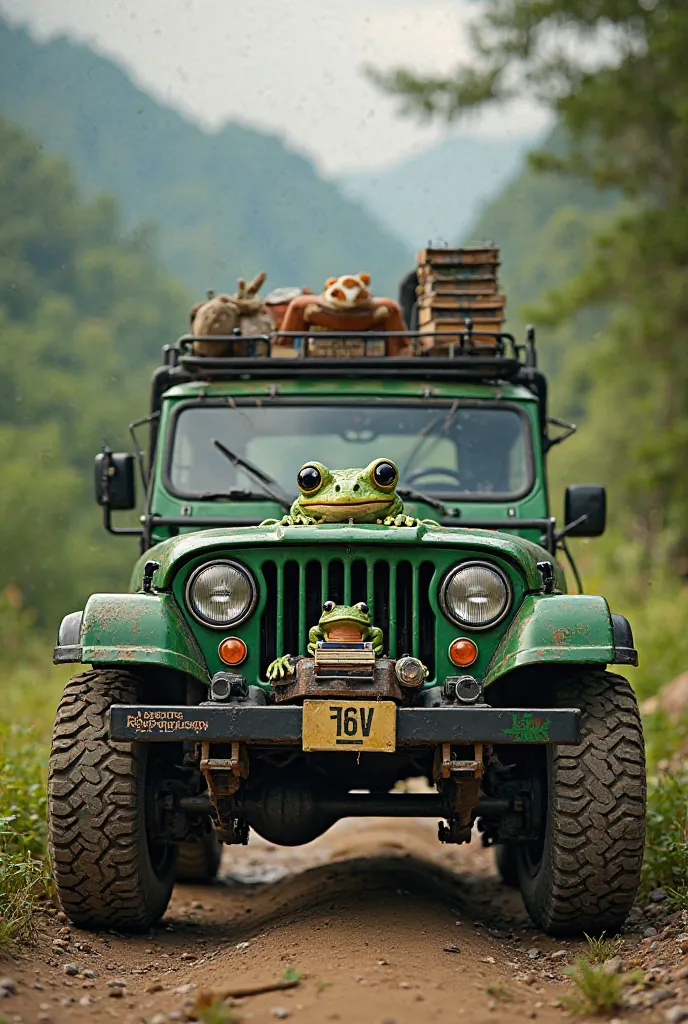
point(415, 727)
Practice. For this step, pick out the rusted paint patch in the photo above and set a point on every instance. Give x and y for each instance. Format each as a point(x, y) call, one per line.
point(567, 634)
point(545, 629)
point(135, 628)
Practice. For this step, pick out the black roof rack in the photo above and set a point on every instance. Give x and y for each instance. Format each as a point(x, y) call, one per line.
point(476, 355)
point(506, 361)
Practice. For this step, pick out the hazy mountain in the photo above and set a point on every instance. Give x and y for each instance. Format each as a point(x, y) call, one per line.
point(438, 193)
point(226, 203)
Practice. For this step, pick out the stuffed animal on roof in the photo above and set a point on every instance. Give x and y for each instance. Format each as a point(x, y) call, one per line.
point(346, 304)
point(221, 315)
point(217, 315)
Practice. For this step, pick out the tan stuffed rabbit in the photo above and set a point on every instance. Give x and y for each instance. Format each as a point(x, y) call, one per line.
point(221, 315)
point(254, 317)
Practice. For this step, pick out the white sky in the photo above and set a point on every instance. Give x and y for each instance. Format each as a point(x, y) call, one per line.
point(292, 66)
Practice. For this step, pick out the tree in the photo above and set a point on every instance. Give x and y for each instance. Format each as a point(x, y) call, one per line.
point(615, 74)
point(84, 310)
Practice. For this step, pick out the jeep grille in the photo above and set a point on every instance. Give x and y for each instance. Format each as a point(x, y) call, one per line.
point(296, 591)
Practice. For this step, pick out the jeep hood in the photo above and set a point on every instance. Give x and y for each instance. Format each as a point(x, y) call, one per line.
point(172, 554)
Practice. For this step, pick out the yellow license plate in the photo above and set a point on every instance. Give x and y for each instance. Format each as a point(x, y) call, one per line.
point(349, 725)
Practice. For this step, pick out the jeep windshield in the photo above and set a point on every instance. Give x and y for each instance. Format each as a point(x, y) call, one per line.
point(456, 450)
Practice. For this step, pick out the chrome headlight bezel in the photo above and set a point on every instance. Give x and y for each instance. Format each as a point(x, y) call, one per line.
point(237, 620)
point(495, 620)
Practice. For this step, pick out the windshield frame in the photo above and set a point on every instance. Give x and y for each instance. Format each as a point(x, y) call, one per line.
point(231, 402)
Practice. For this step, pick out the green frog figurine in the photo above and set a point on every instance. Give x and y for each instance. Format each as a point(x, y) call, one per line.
point(348, 496)
point(338, 623)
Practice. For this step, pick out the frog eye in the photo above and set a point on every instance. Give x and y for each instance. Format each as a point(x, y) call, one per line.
point(362, 607)
point(385, 474)
point(309, 479)
point(328, 606)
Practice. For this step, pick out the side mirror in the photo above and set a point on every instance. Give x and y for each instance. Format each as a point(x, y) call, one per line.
point(114, 480)
point(589, 500)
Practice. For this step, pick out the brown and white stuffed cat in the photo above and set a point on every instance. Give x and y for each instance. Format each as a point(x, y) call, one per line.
point(346, 304)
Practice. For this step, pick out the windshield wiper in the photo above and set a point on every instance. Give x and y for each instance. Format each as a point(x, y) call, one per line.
point(262, 478)
point(413, 495)
point(231, 494)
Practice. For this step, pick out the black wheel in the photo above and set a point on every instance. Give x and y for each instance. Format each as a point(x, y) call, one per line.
point(583, 872)
point(108, 869)
point(199, 862)
point(506, 862)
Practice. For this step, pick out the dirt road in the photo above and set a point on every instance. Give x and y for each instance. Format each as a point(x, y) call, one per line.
point(382, 923)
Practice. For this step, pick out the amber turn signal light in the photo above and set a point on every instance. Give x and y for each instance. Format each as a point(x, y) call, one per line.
point(232, 650)
point(463, 652)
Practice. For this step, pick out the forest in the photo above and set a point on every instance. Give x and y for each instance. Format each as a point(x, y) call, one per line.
point(594, 233)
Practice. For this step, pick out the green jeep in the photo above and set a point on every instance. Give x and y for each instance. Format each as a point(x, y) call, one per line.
point(280, 664)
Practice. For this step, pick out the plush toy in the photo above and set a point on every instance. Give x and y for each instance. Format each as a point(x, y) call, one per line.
point(346, 304)
point(348, 292)
point(218, 315)
point(222, 315)
point(254, 318)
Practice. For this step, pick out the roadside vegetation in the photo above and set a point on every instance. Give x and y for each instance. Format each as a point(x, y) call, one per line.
point(666, 853)
point(597, 991)
point(30, 691)
point(598, 981)
point(24, 881)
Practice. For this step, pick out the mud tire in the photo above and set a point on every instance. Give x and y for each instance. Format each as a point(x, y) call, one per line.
point(199, 862)
point(106, 872)
point(506, 862)
point(588, 869)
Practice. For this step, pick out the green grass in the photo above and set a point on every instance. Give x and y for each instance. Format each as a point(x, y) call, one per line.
point(666, 851)
point(30, 692)
point(24, 881)
point(601, 949)
point(596, 992)
point(677, 899)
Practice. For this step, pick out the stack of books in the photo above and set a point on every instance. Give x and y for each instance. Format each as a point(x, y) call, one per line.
point(344, 660)
point(457, 285)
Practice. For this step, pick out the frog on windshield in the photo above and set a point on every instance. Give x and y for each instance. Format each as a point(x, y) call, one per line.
point(348, 495)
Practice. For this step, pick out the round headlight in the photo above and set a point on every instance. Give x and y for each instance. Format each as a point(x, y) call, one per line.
point(475, 595)
point(221, 594)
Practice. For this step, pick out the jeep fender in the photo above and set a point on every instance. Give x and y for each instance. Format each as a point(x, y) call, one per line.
point(131, 629)
point(562, 628)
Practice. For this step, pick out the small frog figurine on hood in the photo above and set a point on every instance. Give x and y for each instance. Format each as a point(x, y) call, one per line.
point(345, 624)
point(339, 623)
point(348, 496)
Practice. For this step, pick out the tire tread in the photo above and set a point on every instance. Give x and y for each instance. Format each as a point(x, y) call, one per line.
point(597, 812)
point(94, 812)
